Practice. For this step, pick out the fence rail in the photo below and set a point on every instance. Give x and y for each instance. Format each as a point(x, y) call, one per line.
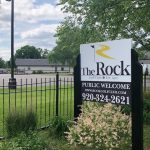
point(47, 97)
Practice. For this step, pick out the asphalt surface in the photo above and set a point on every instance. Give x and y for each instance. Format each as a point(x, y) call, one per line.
point(4, 78)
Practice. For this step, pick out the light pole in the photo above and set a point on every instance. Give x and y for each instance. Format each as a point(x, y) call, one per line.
point(12, 80)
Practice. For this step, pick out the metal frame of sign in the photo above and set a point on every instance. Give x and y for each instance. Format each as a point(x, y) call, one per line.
point(136, 98)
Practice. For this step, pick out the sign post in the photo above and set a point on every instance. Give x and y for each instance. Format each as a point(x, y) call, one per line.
point(137, 103)
point(109, 72)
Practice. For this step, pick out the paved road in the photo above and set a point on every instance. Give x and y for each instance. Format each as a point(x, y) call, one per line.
point(29, 77)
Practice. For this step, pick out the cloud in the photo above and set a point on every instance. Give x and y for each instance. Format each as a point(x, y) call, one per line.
point(45, 43)
point(5, 54)
point(40, 13)
point(42, 36)
point(29, 11)
point(39, 31)
point(35, 24)
point(20, 44)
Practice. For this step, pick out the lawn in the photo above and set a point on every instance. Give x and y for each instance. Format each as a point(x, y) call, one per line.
point(61, 144)
point(146, 137)
point(40, 99)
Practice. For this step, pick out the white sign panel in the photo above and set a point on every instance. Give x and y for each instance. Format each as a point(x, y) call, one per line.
point(106, 69)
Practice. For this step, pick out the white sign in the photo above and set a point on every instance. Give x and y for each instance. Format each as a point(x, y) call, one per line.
point(106, 61)
point(106, 71)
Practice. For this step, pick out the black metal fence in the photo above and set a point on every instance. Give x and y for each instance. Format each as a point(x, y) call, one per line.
point(47, 97)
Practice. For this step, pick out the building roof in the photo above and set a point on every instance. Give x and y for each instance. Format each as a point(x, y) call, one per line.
point(36, 62)
point(32, 62)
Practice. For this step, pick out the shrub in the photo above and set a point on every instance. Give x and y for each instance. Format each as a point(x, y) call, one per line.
point(39, 72)
point(16, 123)
point(30, 121)
point(30, 141)
point(33, 72)
point(101, 127)
point(58, 127)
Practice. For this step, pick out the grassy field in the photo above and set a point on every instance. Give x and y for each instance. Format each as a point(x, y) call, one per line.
point(41, 99)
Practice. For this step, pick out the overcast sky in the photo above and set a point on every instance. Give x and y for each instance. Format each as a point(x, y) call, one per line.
point(35, 24)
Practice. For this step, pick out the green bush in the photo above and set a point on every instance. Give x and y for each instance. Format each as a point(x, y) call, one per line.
point(39, 72)
point(146, 112)
point(30, 122)
point(58, 127)
point(23, 141)
point(101, 127)
point(16, 122)
point(33, 72)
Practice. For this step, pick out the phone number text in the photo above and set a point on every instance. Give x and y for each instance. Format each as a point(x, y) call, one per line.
point(114, 99)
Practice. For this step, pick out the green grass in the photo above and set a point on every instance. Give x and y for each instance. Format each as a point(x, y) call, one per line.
point(147, 94)
point(41, 100)
point(61, 144)
point(146, 137)
point(53, 143)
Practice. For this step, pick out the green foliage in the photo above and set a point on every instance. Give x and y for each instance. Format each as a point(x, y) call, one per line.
point(44, 53)
point(33, 72)
point(58, 127)
point(28, 52)
point(146, 137)
point(147, 94)
point(37, 72)
point(69, 37)
point(31, 52)
point(101, 127)
point(68, 43)
point(30, 141)
point(146, 109)
point(146, 112)
point(113, 19)
point(2, 63)
point(16, 123)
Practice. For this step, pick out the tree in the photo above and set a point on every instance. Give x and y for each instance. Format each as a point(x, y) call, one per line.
point(68, 42)
point(28, 52)
point(69, 37)
point(44, 53)
point(113, 19)
point(2, 63)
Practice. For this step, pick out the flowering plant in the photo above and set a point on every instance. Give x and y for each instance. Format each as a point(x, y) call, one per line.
point(102, 127)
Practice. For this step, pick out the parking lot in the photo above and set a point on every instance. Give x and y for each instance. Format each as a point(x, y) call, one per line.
point(23, 78)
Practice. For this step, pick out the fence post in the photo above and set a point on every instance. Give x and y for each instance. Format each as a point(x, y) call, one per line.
point(77, 88)
point(57, 92)
point(137, 103)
